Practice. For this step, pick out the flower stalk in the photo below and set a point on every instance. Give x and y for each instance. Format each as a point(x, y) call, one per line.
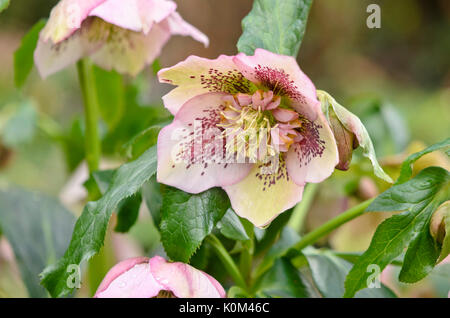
point(227, 261)
point(331, 225)
point(91, 111)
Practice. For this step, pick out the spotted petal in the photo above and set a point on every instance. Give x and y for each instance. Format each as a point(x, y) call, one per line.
point(195, 76)
point(282, 75)
point(353, 124)
point(314, 157)
point(51, 58)
point(191, 154)
point(184, 281)
point(128, 52)
point(262, 196)
point(66, 17)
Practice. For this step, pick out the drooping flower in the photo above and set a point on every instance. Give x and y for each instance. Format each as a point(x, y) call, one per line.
point(249, 124)
point(144, 277)
point(121, 35)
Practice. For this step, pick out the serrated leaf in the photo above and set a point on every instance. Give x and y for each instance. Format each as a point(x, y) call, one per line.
point(418, 198)
point(188, 218)
point(352, 123)
point(231, 227)
point(90, 229)
point(24, 56)
point(329, 272)
point(277, 26)
point(282, 280)
point(36, 226)
point(406, 169)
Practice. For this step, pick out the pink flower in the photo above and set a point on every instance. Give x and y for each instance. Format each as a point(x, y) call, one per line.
point(144, 277)
point(116, 34)
point(249, 124)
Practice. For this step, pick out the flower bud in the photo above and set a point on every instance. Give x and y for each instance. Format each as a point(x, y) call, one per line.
point(345, 140)
point(143, 277)
point(438, 222)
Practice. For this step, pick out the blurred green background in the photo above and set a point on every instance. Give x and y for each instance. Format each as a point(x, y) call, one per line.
point(396, 78)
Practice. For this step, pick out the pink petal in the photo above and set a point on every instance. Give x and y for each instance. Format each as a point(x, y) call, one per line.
point(284, 115)
point(131, 278)
point(196, 76)
point(195, 172)
point(184, 281)
point(313, 159)
point(260, 197)
point(178, 26)
point(282, 74)
point(136, 15)
point(66, 17)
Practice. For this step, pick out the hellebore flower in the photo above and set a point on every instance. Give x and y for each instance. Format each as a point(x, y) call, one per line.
point(121, 35)
point(249, 124)
point(144, 277)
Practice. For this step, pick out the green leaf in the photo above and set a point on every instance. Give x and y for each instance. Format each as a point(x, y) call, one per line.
point(142, 141)
point(110, 94)
point(21, 127)
point(4, 4)
point(36, 226)
point(352, 123)
point(90, 229)
point(237, 292)
point(277, 26)
point(103, 179)
point(24, 56)
point(152, 193)
point(406, 169)
point(329, 272)
point(282, 280)
point(418, 198)
point(188, 218)
point(231, 227)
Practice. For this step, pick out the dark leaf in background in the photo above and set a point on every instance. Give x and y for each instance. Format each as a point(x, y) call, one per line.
point(36, 226)
point(282, 280)
point(277, 26)
point(188, 218)
point(231, 227)
point(90, 229)
point(152, 194)
point(329, 272)
point(21, 126)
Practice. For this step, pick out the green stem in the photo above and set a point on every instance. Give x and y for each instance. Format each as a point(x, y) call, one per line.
point(88, 89)
point(246, 258)
point(227, 261)
point(298, 216)
point(334, 223)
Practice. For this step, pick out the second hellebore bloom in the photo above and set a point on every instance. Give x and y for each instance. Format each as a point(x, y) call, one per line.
point(142, 277)
point(249, 124)
point(116, 34)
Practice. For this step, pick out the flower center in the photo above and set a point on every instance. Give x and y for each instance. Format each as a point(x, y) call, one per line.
point(256, 128)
